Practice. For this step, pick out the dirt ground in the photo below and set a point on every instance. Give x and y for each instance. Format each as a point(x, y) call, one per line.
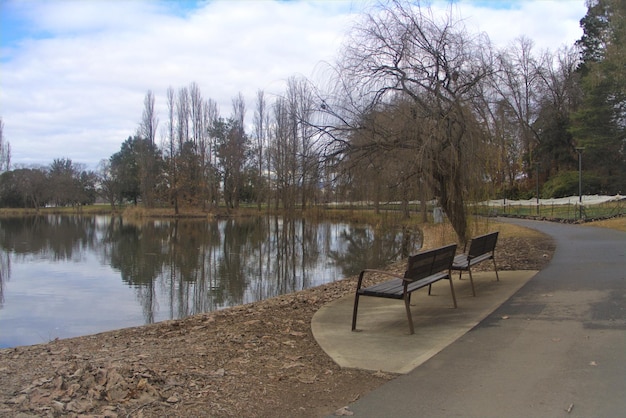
point(256, 360)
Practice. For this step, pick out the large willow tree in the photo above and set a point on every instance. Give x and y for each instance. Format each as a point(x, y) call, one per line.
point(401, 58)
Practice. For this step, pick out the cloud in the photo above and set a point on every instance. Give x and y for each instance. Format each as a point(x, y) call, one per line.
point(550, 24)
point(74, 74)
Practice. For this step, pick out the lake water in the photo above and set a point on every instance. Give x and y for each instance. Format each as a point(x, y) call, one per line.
point(66, 276)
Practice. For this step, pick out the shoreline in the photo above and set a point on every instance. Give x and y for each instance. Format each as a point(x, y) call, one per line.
point(253, 360)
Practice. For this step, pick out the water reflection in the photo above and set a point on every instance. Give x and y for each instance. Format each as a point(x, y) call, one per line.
point(173, 268)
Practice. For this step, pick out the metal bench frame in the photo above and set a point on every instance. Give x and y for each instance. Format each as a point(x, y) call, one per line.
point(481, 248)
point(423, 269)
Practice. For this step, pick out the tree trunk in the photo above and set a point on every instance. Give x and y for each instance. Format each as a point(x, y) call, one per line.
point(452, 204)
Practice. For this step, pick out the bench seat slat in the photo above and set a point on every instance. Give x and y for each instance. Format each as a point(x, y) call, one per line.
point(461, 261)
point(394, 289)
point(481, 248)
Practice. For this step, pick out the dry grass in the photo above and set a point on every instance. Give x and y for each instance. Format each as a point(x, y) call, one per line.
point(615, 223)
point(442, 234)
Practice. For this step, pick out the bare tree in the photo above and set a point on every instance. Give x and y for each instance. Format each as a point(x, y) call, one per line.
point(238, 144)
point(5, 150)
point(196, 113)
point(261, 124)
point(206, 146)
point(203, 114)
point(182, 116)
point(390, 173)
point(302, 107)
point(560, 94)
point(189, 148)
point(148, 171)
point(239, 110)
point(172, 175)
point(282, 152)
point(109, 188)
point(149, 120)
point(232, 143)
point(402, 53)
point(187, 165)
point(517, 81)
point(32, 185)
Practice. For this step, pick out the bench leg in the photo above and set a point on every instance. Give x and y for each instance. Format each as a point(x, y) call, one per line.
point(472, 282)
point(452, 291)
point(407, 303)
point(356, 308)
point(496, 269)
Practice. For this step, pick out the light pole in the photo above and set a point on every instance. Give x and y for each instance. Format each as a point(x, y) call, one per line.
point(537, 180)
point(580, 150)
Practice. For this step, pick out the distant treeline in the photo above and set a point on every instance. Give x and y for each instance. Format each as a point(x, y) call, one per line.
point(416, 108)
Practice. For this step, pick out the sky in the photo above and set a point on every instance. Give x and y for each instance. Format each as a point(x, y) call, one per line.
point(74, 74)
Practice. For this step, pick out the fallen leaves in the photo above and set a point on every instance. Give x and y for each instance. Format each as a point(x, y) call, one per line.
point(244, 361)
point(307, 378)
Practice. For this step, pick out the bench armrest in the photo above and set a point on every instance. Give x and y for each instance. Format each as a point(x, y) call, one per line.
point(386, 273)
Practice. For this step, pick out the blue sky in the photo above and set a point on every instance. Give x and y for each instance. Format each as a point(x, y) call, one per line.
point(73, 74)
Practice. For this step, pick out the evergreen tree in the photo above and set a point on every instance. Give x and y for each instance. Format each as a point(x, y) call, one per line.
point(599, 125)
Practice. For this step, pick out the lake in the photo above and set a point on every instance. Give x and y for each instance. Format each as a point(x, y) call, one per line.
point(66, 276)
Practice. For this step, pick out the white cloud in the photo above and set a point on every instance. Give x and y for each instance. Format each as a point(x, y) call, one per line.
point(550, 24)
point(74, 86)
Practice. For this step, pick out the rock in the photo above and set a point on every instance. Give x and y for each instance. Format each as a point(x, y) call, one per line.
point(219, 372)
point(18, 400)
point(78, 406)
point(72, 389)
point(116, 386)
point(58, 406)
point(343, 412)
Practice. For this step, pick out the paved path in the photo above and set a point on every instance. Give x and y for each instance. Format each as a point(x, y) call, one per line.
point(561, 352)
point(384, 343)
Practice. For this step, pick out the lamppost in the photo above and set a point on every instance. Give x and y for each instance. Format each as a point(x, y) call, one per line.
point(580, 150)
point(537, 165)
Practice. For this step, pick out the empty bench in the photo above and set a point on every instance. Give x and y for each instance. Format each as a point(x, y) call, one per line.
point(481, 248)
point(423, 269)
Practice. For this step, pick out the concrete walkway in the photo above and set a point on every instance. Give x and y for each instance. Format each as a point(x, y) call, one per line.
point(383, 342)
point(561, 352)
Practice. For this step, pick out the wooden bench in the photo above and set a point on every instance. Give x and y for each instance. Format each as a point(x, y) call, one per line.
point(481, 248)
point(423, 269)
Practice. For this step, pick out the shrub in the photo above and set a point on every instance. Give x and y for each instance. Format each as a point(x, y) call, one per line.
point(565, 183)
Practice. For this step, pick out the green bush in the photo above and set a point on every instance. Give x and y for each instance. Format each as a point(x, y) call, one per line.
point(515, 192)
point(565, 183)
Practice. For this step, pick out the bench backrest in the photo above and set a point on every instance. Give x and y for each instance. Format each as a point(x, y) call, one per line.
point(425, 263)
point(483, 244)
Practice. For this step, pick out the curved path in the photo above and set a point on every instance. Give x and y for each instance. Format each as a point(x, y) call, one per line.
point(561, 352)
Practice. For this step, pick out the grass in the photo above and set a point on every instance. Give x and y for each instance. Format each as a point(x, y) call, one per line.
point(64, 210)
point(570, 212)
point(442, 233)
point(615, 223)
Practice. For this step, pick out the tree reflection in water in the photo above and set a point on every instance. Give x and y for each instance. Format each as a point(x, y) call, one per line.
point(182, 267)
